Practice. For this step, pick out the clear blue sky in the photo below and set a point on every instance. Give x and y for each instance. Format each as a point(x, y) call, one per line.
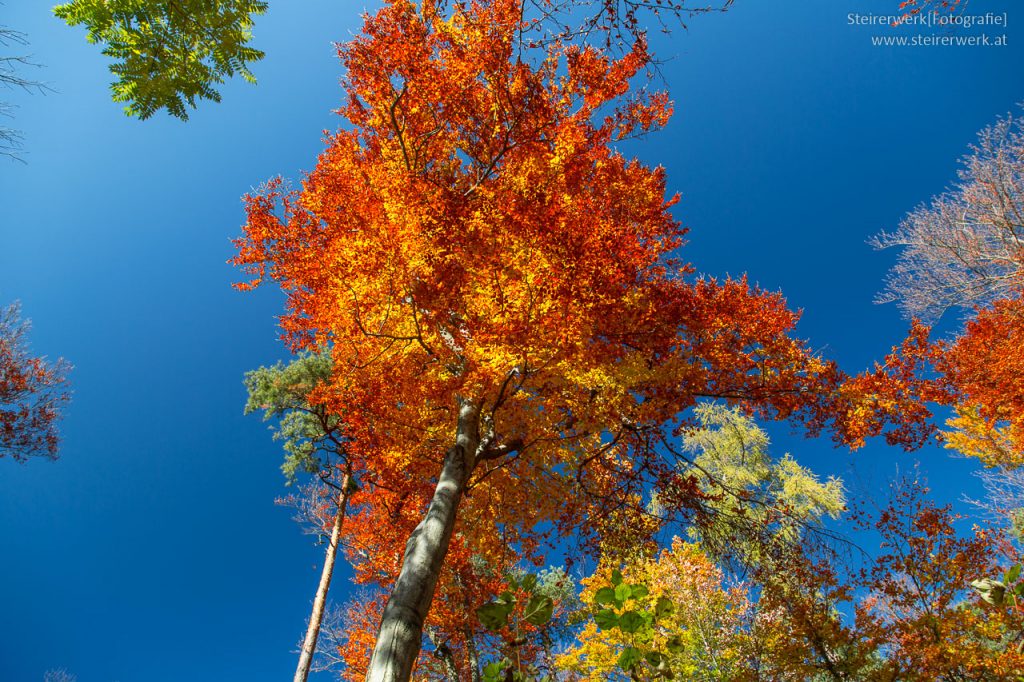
point(152, 550)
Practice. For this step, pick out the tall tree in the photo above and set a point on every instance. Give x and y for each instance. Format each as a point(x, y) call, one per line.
point(915, 615)
point(314, 442)
point(807, 612)
point(32, 393)
point(510, 327)
point(919, 607)
point(753, 514)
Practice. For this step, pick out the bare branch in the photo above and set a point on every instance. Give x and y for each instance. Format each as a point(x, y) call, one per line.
point(11, 68)
point(613, 25)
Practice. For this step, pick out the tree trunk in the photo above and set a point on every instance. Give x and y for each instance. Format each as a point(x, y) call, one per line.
point(315, 618)
point(401, 628)
point(472, 655)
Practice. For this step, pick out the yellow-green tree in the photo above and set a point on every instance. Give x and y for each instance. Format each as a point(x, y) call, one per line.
point(673, 614)
point(746, 500)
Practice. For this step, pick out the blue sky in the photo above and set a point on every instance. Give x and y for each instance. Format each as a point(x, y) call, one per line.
point(152, 550)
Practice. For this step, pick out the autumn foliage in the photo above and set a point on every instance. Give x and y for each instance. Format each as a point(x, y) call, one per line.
point(32, 393)
point(501, 293)
point(986, 367)
point(685, 609)
point(807, 611)
point(919, 609)
point(980, 374)
point(914, 614)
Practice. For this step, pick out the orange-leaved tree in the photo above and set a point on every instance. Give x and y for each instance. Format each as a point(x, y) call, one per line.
point(914, 614)
point(32, 393)
point(919, 607)
point(510, 328)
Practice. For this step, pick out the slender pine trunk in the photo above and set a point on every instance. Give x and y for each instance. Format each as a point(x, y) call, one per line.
point(316, 617)
point(401, 628)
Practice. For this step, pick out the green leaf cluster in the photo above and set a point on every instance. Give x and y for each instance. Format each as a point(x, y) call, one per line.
point(168, 54)
point(538, 608)
point(1001, 592)
point(620, 606)
point(309, 434)
point(529, 599)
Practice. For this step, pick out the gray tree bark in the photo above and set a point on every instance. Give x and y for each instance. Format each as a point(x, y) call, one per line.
point(401, 628)
point(315, 618)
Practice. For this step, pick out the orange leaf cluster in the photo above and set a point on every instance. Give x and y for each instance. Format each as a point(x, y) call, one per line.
point(980, 374)
point(985, 366)
point(32, 393)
